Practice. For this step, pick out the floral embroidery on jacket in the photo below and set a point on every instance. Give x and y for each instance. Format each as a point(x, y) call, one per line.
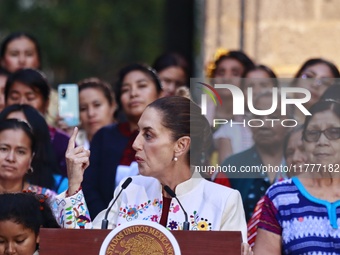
point(173, 208)
point(154, 218)
point(196, 223)
point(133, 212)
point(173, 225)
point(158, 203)
point(199, 223)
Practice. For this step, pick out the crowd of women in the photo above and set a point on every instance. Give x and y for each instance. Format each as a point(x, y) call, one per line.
point(142, 126)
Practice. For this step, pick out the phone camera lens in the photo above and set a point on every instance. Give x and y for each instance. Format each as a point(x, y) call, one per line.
point(63, 93)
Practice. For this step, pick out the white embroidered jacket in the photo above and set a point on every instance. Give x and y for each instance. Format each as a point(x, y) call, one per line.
point(210, 206)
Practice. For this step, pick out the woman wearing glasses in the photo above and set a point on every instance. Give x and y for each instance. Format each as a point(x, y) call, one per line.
point(315, 75)
point(301, 214)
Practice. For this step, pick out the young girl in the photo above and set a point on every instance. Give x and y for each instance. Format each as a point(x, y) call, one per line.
point(21, 216)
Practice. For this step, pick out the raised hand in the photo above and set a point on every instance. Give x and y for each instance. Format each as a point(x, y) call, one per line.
point(77, 160)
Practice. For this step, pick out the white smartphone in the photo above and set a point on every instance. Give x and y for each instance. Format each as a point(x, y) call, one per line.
point(68, 100)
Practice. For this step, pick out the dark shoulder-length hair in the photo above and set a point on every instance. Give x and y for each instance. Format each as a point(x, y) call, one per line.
point(172, 59)
point(14, 124)
point(13, 36)
point(32, 78)
point(147, 70)
point(315, 61)
point(238, 55)
point(44, 162)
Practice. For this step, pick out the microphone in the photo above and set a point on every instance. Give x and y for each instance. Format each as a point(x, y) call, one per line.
point(105, 222)
point(173, 195)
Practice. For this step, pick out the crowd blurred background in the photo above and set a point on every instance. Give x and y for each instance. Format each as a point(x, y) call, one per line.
point(100, 46)
point(82, 38)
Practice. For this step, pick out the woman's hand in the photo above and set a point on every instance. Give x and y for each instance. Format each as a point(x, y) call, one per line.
point(77, 160)
point(246, 249)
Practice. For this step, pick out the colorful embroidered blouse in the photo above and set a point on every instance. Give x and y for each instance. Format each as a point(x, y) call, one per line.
point(41, 190)
point(209, 206)
point(307, 225)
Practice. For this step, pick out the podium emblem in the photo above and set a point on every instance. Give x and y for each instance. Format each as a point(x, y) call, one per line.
point(140, 237)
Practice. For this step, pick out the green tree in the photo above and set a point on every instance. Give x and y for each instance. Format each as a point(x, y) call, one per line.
point(83, 38)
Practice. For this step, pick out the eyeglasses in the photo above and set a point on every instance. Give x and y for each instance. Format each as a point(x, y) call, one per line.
point(326, 82)
point(314, 135)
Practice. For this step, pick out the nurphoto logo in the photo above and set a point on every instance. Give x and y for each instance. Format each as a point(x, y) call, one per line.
point(243, 103)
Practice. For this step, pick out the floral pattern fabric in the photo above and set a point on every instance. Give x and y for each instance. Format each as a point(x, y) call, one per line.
point(142, 200)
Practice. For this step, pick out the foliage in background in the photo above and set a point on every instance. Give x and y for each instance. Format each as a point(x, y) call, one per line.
point(82, 38)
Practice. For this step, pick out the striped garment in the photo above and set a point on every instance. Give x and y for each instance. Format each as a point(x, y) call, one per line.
point(308, 225)
point(255, 218)
point(253, 222)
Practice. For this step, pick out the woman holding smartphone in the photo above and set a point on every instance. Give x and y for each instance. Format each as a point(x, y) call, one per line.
point(96, 109)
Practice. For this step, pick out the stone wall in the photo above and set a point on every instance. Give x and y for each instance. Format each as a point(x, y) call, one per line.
point(279, 33)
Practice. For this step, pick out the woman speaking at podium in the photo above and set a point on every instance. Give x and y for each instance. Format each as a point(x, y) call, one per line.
point(172, 134)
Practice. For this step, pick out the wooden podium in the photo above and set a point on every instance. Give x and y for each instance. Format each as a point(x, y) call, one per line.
point(89, 241)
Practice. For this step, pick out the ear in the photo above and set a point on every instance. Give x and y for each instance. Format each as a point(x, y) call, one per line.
point(182, 146)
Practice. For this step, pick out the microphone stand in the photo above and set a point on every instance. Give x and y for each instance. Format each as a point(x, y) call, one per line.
point(172, 194)
point(105, 222)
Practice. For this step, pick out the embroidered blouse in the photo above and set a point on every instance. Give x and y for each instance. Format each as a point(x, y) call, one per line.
point(307, 225)
point(41, 190)
point(209, 206)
